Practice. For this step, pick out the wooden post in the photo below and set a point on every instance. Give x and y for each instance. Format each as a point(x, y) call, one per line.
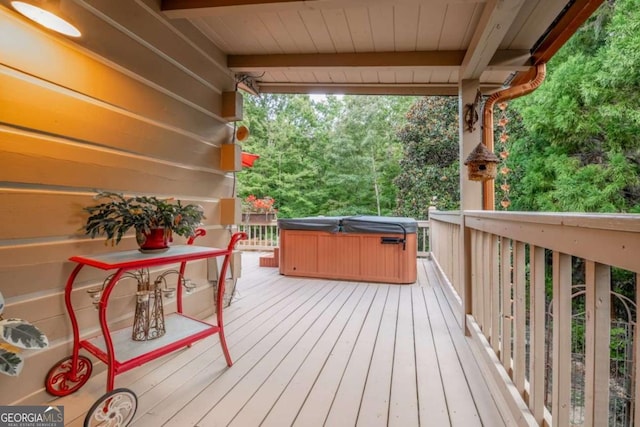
point(495, 294)
point(561, 395)
point(470, 191)
point(636, 365)
point(519, 315)
point(598, 313)
point(537, 334)
point(507, 304)
point(465, 272)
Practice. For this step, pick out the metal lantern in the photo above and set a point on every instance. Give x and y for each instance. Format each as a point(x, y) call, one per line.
point(148, 322)
point(482, 164)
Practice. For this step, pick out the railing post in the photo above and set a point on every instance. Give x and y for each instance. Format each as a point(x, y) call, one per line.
point(561, 396)
point(430, 233)
point(598, 337)
point(465, 271)
point(636, 365)
point(537, 333)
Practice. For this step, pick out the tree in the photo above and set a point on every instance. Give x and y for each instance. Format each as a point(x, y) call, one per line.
point(578, 149)
point(429, 167)
point(337, 156)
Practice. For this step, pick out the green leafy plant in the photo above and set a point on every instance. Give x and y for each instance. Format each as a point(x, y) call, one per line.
point(118, 214)
point(17, 335)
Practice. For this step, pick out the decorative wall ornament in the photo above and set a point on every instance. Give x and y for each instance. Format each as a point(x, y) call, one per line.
point(471, 114)
point(502, 145)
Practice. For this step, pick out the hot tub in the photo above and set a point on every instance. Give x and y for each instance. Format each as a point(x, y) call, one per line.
point(363, 248)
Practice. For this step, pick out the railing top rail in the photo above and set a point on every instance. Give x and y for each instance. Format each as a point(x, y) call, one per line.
point(619, 222)
point(452, 217)
point(604, 238)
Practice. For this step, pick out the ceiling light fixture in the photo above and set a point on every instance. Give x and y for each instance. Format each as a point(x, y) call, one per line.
point(46, 16)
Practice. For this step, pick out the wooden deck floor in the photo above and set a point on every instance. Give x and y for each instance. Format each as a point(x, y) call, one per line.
point(311, 352)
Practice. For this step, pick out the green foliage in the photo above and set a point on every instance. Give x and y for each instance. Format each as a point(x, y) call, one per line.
point(577, 149)
point(337, 156)
point(22, 334)
point(16, 335)
point(429, 167)
point(11, 363)
point(118, 214)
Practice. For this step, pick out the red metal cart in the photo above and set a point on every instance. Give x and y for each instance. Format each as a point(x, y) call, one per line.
point(116, 349)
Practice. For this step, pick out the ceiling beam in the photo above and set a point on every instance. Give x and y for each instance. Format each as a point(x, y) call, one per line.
point(497, 17)
point(367, 89)
point(509, 59)
point(202, 8)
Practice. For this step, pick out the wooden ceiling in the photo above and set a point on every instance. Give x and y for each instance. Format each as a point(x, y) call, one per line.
point(382, 46)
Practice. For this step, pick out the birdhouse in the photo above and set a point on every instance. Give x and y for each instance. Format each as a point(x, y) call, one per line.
point(482, 164)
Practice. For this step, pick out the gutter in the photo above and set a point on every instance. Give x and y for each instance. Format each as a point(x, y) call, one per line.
point(488, 198)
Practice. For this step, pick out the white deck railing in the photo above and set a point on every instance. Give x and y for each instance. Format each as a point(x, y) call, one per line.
point(264, 237)
point(261, 237)
point(505, 268)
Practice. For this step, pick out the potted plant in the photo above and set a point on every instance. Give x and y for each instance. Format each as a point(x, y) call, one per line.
point(154, 220)
point(17, 335)
point(258, 210)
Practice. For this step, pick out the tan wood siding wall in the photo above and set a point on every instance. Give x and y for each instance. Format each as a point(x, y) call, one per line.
point(108, 112)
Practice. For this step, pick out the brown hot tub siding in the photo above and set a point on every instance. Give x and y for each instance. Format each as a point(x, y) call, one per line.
point(347, 256)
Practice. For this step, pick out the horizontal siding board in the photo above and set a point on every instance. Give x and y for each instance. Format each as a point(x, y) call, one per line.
point(21, 213)
point(30, 160)
point(30, 255)
point(67, 114)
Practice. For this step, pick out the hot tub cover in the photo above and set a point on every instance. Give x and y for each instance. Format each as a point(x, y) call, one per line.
point(315, 223)
point(379, 224)
point(351, 224)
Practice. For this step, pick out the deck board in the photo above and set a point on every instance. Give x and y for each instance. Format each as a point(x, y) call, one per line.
point(298, 370)
point(319, 399)
point(403, 407)
point(348, 397)
point(313, 352)
point(374, 407)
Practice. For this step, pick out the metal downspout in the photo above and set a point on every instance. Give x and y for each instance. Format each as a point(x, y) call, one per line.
point(488, 198)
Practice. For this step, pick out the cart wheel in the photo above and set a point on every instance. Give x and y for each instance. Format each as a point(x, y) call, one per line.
point(114, 409)
point(59, 381)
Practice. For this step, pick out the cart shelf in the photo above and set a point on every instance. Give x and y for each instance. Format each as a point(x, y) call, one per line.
point(135, 259)
point(181, 331)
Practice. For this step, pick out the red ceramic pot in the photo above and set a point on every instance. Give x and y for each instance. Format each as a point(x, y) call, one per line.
point(156, 239)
